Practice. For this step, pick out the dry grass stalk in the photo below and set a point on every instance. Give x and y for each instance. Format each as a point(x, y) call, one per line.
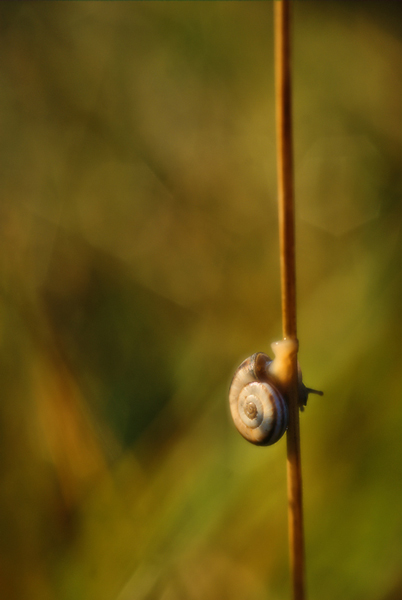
point(288, 284)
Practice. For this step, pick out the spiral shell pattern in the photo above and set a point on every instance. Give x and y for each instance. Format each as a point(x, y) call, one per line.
point(258, 409)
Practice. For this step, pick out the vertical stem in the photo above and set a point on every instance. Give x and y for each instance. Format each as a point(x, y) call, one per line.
point(285, 166)
point(288, 284)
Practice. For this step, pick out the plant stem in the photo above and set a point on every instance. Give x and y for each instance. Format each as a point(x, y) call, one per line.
point(288, 284)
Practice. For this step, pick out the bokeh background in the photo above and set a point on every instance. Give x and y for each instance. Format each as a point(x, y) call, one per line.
point(139, 267)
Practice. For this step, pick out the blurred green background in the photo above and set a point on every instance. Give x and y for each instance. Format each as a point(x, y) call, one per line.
point(140, 266)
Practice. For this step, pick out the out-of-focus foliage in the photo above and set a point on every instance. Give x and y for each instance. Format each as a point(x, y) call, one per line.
point(140, 265)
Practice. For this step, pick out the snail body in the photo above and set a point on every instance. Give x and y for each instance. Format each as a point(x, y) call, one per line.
point(258, 394)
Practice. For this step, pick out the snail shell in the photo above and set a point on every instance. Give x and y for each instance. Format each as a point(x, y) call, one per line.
point(258, 409)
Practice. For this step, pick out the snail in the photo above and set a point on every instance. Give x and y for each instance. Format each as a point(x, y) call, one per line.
point(257, 395)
